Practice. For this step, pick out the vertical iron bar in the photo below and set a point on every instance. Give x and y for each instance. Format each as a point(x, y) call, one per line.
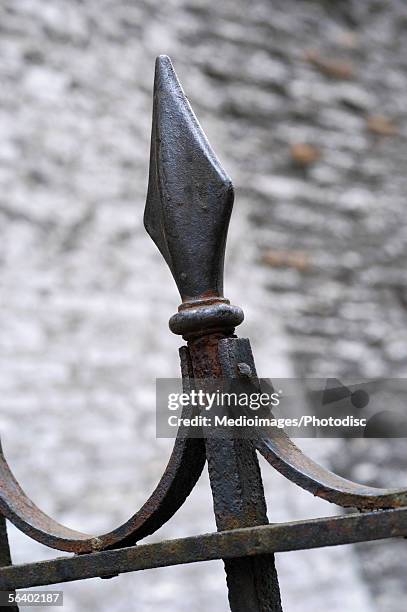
point(236, 483)
point(5, 556)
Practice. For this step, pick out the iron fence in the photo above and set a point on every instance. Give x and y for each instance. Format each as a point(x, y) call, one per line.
point(189, 203)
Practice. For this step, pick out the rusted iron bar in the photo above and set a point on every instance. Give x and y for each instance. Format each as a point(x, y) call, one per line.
point(238, 543)
point(236, 483)
point(5, 556)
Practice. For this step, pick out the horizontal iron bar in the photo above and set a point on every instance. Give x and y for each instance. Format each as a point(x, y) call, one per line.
point(278, 537)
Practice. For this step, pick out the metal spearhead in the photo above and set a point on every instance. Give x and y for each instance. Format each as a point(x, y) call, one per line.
point(190, 197)
point(189, 203)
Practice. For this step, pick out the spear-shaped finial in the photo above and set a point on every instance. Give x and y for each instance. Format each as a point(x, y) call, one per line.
point(189, 203)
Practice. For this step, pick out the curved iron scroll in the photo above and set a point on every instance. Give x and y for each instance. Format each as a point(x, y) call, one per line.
point(291, 462)
point(179, 478)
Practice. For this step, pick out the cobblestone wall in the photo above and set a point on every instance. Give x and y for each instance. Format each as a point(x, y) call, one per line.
point(304, 102)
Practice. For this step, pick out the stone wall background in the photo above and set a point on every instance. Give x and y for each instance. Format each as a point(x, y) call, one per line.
point(316, 257)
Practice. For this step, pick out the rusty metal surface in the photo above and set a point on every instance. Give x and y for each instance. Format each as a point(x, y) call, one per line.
point(183, 470)
point(237, 488)
point(250, 542)
point(286, 457)
point(5, 556)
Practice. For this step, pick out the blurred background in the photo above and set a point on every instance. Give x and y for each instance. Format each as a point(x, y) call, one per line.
point(304, 103)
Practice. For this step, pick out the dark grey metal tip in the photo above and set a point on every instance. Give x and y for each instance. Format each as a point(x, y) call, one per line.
point(190, 197)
